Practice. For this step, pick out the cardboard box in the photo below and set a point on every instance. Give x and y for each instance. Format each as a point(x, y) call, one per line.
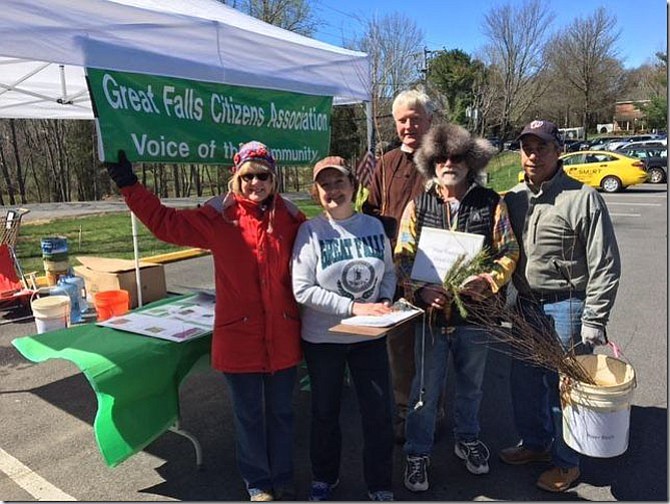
point(100, 274)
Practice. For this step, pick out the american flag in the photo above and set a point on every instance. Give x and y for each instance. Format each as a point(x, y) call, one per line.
point(364, 169)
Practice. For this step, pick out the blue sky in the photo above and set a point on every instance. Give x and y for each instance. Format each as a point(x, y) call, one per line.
point(456, 24)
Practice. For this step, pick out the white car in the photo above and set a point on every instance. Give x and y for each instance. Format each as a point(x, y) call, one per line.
point(659, 142)
point(613, 145)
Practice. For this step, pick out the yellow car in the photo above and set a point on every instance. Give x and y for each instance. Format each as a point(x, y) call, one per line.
point(604, 170)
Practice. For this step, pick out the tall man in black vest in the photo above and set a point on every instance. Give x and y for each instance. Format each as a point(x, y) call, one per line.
point(451, 160)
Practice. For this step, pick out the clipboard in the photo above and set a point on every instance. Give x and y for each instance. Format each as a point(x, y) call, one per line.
point(375, 331)
point(370, 331)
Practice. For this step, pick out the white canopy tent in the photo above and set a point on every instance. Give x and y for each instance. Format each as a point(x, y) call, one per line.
point(45, 45)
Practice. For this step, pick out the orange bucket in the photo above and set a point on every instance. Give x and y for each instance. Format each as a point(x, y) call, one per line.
point(111, 303)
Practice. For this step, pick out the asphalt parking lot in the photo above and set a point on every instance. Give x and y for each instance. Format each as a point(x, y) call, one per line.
point(48, 452)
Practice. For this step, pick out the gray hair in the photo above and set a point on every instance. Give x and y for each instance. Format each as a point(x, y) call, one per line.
point(413, 98)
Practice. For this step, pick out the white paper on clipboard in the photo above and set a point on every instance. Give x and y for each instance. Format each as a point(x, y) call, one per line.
point(439, 249)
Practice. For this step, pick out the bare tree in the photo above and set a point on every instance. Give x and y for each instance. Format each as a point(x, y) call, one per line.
point(517, 36)
point(294, 15)
point(392, 42)
point(585, 55)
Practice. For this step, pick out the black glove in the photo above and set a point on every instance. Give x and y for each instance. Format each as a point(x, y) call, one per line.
point(122, 172)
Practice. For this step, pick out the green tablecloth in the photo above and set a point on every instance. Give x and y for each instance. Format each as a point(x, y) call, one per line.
point(135, 378)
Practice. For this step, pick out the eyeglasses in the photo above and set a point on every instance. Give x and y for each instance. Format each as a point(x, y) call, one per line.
point(454, 158)
point(248, 177)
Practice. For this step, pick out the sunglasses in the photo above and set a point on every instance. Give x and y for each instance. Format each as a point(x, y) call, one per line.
point(248, 177)
point(455, 158)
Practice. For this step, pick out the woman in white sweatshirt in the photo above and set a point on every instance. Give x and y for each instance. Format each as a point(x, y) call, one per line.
point(342, 266)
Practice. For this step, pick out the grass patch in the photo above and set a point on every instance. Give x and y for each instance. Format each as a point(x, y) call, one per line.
point(104, 235)
point(504, 170)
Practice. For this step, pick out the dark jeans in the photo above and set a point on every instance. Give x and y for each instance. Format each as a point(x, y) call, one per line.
point(369, 367)
point(400, 346)
point(263, 416)
point(468, 347)
point(538, 416)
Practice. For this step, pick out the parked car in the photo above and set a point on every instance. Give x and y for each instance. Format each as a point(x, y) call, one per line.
point(659, 142)
point(608, 171)
point(511, 145)
point(616, 144)
point(655, 160)
point(496, 142)
point(597, 143)
point(572, 145)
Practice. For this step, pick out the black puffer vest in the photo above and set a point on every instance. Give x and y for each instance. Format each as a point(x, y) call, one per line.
point(475, 215)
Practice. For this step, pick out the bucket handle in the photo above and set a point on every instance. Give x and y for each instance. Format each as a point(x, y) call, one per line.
point(38, 292)
point(616, 350)
point(618, 354)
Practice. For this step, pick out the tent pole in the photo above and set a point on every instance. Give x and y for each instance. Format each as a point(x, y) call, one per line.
point(136, 252)
point(369, 124)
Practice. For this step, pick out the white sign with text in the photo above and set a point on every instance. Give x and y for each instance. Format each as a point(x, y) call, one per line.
point(438, 251)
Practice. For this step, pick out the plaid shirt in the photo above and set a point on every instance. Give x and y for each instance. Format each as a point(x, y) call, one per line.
point(504, 253)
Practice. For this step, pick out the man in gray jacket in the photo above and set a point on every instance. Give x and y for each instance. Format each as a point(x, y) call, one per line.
point(567, 276)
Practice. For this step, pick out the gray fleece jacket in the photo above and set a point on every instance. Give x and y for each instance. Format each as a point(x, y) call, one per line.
point(567, 243)
point(337, 262)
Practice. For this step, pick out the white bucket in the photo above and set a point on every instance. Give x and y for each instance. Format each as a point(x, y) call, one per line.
point(51, 313)
point(596, 418)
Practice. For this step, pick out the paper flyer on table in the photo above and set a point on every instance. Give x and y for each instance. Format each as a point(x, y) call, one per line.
point(181, 320)
point(439, 249)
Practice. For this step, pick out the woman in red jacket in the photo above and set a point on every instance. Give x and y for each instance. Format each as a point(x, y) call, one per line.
point(256, 341)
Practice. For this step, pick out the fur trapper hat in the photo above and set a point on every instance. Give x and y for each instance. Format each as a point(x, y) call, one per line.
point(445, 140)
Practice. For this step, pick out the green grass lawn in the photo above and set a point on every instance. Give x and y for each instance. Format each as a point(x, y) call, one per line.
point(106, 235)
point(503, 170)
point(110, 235)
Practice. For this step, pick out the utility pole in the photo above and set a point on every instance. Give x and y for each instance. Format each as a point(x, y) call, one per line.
point(424, 70)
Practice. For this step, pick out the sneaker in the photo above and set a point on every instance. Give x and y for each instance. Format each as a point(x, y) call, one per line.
point(558, 479)
point(416, 473)
point(476, 455)
point(381, 495)
point(321, 491)
point(518, 455)
point(258, 495)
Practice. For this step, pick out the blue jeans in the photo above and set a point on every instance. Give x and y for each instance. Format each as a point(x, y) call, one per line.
point(536, 402)
point(369, 367)
point(263, 417)
point(468, 345)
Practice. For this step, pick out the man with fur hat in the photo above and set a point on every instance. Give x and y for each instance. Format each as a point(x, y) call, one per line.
point(567, 278)
point(394, 183)
point(452, 160)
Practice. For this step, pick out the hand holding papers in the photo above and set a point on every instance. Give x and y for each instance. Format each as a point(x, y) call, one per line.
point(440, 249)
point(402, 310)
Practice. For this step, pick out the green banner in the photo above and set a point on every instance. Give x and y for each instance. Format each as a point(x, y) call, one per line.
point(165, 119)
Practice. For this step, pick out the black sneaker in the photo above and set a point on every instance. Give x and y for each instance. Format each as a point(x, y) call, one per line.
point(381, 496)
point(476, 455)
point(322, 491)
point(416, 473)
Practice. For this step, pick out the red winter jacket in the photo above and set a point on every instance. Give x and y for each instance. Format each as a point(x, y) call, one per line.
point(257, 322)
